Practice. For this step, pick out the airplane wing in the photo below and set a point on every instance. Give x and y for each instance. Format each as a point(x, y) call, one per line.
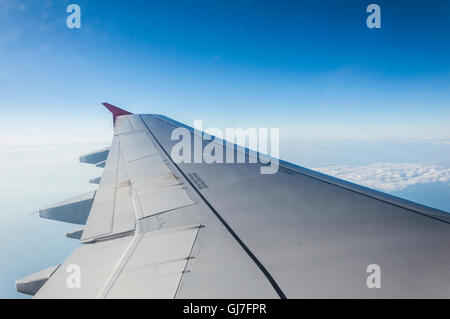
point(158, 228)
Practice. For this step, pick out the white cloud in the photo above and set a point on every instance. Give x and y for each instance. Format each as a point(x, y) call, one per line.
point(389, 176)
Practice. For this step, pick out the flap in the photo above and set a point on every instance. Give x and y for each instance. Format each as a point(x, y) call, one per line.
point(30, 284)
point(74, 210)
point(95, 157)
point(75, 234)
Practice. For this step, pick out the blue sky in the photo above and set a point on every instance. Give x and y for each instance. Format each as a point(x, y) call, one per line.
point(312, 68)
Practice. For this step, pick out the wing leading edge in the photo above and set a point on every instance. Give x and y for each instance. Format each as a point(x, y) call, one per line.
point(160, 229)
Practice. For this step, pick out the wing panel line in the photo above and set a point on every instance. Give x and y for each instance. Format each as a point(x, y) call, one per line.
point(224, 223)
point(410, 206)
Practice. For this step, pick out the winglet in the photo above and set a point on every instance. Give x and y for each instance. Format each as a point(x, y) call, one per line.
point(115, 111)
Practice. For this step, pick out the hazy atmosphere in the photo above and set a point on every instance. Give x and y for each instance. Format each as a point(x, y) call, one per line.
point(364, 105)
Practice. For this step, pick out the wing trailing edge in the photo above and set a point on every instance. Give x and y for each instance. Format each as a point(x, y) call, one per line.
point(95, 157)
point(74, 210)
point(30, 284)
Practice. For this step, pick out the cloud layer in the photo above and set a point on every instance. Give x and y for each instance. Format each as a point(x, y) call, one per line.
point(389, 176)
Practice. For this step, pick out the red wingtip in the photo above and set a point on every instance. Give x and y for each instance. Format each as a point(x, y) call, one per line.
point(115, 111)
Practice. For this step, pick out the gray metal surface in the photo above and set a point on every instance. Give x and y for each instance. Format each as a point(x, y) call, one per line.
point(316, 238)
point(74, 210)
point(75, 234)
point(155, 268)
point(96, 264)
point(31, 284)
point(95, 157)
point(159, 229)
point(101, 164)
point(95, 180)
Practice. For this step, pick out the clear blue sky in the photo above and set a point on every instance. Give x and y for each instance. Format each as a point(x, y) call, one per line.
point(312, 68)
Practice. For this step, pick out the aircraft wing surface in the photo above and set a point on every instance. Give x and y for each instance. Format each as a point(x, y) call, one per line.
point(158, 228)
